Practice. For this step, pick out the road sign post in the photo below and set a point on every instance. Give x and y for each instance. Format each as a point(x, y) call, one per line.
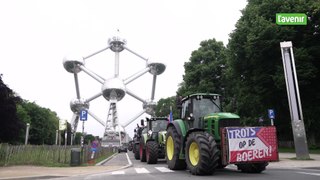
point(83, 115)
point(271, 115)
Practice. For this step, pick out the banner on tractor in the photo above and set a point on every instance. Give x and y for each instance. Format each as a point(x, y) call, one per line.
point(252, 144)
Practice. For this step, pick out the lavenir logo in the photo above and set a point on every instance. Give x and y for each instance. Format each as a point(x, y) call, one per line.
point(291, 19)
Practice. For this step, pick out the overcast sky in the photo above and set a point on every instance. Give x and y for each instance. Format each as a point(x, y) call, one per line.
point(36, 35)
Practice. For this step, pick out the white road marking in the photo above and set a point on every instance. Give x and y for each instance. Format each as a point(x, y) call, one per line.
point(313, 174)
point(129, 161)
point(118, 172)
point(141, 170)
point(164, 169)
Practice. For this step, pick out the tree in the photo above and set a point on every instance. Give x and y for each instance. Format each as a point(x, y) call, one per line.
point(77, 138)
point(255, 73)
point(10, 123)
point(43, 122)
point(163, 107)
point(204, 72)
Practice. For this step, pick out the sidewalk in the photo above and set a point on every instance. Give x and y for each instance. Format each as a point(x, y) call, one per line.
point(21, 172)
point(287, 161)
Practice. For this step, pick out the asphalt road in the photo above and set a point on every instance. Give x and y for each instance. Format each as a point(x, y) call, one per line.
point(136, 170)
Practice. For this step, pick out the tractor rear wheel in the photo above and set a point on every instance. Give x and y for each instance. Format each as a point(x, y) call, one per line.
point(152, 152)
point(142, 150)
point(252, 167)
point(136, 151)
point(173, 148)
point(202, 154)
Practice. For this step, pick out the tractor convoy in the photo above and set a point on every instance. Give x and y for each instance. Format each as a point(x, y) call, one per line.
point(204, 139)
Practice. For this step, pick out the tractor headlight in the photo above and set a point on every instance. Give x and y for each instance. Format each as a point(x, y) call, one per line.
point(149, 132)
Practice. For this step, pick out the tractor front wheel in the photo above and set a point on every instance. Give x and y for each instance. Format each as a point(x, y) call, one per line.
point(152, 152)
point(202, 154)
point(173, 148)
point(136, 151)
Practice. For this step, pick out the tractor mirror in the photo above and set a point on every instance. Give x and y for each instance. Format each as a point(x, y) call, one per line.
point(142, 122)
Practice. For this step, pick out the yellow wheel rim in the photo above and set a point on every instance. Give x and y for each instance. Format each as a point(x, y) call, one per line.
point(194, 153)
point(170, 148)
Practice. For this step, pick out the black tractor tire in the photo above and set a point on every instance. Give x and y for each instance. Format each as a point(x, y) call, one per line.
point(252, 167)
point(133, 148)
point(136, 151)
point(205, 147)
point(142, 150)
point(152, 152)
point(174, 163)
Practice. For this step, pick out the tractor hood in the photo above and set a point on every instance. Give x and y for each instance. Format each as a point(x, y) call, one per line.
point(162, 137)
point(221, 115)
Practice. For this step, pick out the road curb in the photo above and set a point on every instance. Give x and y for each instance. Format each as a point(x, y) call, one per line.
point(106, 160)
point(109, 158)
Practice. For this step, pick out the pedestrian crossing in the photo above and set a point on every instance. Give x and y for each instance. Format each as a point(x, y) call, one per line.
point(142, 170)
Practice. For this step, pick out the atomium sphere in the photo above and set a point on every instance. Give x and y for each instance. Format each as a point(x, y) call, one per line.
point(77, 105)
point(156, 68)
point(150, 107)
point(116, 44)
point(72, 63)
point(113, 89)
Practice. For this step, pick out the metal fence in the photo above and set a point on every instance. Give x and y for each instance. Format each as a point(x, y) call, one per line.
point(47, 155)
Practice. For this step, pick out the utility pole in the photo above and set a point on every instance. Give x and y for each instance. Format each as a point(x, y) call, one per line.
point(299, 133)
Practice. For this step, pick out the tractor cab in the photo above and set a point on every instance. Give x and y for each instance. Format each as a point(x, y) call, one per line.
point(157, 127)
point(196, 106)
point(157, 124)
point(204, 111)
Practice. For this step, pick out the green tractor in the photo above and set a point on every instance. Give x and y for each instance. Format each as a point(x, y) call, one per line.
point(195, 140)
point(138, 131)
point(152, 142)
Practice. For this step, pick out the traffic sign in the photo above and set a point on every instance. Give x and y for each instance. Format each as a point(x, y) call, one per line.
point(271, 114)
point(83, 115)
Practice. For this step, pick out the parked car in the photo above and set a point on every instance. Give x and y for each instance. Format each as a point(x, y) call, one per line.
point(123, 148)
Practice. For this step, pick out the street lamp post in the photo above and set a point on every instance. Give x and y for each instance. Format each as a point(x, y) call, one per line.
point(27, 134)
point(57, 134)
point(299, 133)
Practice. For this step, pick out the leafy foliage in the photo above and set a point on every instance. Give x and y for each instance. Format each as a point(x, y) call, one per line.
point(163, 107)
point(256, 72)
point(204, 71)
point(15, 113)
point(249, 72)
point(43, 122)
point(10, 123)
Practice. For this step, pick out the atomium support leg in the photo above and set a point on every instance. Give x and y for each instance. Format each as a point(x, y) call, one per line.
point(134, 118)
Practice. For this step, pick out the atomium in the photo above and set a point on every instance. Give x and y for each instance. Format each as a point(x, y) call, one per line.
point(72, 63)
point(113, 89)
point(76, 105)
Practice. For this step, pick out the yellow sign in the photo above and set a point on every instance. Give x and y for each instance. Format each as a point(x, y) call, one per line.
point(62, 125)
